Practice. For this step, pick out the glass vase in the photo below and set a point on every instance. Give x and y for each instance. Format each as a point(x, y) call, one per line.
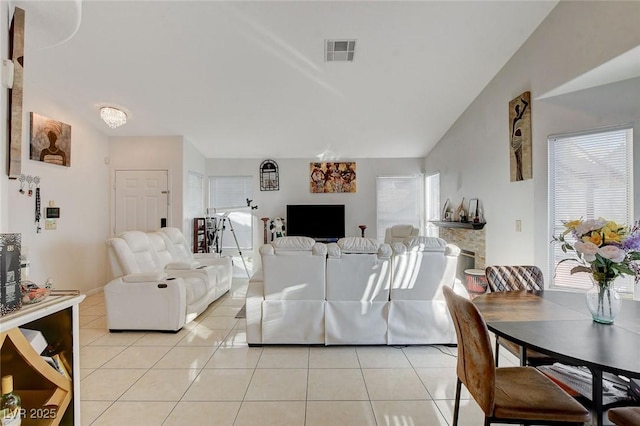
point(604, 302)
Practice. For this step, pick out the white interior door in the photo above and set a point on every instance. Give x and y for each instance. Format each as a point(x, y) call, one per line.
point(141, 200)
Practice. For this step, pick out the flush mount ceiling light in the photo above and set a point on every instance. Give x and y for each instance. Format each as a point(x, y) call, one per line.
point(340, 50)
point(113, 117)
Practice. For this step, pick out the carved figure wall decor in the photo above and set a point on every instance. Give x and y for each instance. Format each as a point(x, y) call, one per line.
point(520, 137)
point(50, 140)
point(16, 53)
point(333, 177)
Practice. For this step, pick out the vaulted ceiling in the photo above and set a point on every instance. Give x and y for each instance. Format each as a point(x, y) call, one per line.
point(243, 79)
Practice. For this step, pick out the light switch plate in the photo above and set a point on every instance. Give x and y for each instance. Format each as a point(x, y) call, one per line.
point(50, 224)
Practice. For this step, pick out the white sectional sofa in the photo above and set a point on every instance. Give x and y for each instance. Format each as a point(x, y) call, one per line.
point(355, 291)
point(158, 284)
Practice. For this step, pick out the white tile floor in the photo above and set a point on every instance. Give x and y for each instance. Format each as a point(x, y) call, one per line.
point(207, 375)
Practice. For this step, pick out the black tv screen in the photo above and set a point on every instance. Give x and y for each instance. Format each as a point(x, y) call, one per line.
point(323, 222)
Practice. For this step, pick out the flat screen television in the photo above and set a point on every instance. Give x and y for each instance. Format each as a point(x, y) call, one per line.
point(322, 222)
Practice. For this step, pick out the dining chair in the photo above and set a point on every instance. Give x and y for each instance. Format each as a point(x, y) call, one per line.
point(625, 416)
point(516, 278)
point(508, 394)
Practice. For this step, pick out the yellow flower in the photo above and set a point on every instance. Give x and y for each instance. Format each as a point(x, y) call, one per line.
point(611, 236)
point(570, 226)
point(595, 238)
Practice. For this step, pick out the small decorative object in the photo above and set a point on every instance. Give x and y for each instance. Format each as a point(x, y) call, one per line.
point(277, 228)
point(10, 403)
point(264, 221)
point(460, 214)
point(31, 293)
point(606, 250)
point(269, 177)
point(446, 214)
point(473, 210)
point(50, 140)
point(333, 177)
point(520, 137)
point(10, 296)
point(362, 228)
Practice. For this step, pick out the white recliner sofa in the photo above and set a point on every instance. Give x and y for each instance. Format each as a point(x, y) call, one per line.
point(399, 233)
point(375, 294)
point(154, 289)
point(358, 282)
point(418, 314)
point(285, 302)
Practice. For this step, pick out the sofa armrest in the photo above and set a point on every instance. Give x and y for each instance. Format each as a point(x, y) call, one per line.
point(150, 305)
point(182, 265)
point(145, 277)
point(253, 302)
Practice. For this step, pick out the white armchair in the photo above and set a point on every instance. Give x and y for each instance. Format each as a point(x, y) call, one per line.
point(358, 282)
point(417, 310)
point(398, 233)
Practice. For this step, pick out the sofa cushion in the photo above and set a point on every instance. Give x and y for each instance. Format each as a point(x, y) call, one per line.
point(426, 244)
point(358, 245)
point(196, 289)
point(293, 244)
point(145, 277)
point(142, 251)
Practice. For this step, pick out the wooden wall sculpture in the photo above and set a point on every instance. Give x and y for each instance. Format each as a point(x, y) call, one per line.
point(16, 53)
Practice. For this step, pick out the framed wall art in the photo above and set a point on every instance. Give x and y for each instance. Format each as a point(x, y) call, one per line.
point(331, 177)
point(269, 176)
point(520, 137)
point(50, 140)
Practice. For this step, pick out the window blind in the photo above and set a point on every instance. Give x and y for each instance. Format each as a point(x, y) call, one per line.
point(398, 201)
point(590, 176)
point(229, 194)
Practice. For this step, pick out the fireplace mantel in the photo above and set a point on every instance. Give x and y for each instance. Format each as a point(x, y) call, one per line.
point(466, 225)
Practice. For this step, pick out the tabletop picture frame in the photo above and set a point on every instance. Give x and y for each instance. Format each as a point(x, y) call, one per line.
point(473, 208)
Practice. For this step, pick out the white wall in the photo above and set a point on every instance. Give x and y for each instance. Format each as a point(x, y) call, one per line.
point(195, 162)
point(152, 153)
point(73, 255)
point(360, 207)
point(473, 157)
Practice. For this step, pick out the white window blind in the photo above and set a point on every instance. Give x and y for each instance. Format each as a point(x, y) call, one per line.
point(195, 195)
point(432, 204)
point(590, 176)
point(228, 196)
point(398, 201)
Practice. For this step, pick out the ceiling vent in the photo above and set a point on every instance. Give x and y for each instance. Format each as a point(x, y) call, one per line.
point(339, 50)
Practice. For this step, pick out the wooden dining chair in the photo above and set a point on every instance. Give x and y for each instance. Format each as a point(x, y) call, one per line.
point(507, 394)
point(516, 278)
point(625, 416)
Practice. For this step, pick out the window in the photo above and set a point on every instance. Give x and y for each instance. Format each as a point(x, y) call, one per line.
point(432, 204)
point(398, 201)
point(228, 198)
point(590, 176)
point(195, 195)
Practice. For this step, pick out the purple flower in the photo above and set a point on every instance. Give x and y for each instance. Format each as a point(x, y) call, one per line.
point(632, 242)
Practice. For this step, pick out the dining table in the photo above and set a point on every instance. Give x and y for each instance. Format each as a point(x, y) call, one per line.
point(558, 323)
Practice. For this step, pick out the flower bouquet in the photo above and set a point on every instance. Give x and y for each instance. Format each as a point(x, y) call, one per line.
point(606, 250)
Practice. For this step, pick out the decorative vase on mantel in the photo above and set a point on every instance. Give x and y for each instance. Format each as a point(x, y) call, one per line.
point(603, 301)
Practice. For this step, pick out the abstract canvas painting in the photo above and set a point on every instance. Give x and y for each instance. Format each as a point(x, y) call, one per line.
point(520, 137)
point(333, 177)
point(50, 141)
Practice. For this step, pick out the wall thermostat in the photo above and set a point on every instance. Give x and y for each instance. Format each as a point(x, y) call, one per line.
point(53, 213)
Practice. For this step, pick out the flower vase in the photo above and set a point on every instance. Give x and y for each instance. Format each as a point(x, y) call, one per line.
point(604, 302)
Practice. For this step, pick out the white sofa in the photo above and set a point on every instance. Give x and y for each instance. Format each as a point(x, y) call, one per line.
point(156, 285)
point(355, 291)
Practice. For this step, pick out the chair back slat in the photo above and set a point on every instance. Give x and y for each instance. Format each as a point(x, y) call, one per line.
point(514, 278)
point(475, 357)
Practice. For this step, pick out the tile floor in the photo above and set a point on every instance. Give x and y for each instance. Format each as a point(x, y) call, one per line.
point(207, 375)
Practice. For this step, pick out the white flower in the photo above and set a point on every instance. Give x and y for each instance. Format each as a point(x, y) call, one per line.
point(589, 225)
point(588, 250)
point(614, 253)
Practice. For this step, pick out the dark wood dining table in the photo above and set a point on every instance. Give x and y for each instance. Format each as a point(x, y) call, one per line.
point(559, 324)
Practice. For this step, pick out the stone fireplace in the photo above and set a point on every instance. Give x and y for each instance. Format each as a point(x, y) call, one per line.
point(469, 240)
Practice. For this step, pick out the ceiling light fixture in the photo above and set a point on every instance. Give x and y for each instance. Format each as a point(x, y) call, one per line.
point(113, 117)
